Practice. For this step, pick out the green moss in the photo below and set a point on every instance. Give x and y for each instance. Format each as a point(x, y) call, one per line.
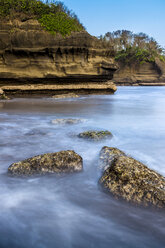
point(53, 16)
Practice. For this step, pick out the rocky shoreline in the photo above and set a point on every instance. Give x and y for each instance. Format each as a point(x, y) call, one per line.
point(122, 176)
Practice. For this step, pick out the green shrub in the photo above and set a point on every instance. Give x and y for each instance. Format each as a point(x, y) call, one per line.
point(60, 23)
point(53, 16)
point(136, 54)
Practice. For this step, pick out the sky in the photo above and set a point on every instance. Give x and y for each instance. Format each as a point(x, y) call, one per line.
point(101, 16)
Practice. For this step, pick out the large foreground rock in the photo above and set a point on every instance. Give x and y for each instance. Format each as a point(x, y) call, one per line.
point(59, 162)
point(131, 180)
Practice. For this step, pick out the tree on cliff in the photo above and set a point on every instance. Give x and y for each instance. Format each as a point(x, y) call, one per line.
point(54, 16)
point(129, 47)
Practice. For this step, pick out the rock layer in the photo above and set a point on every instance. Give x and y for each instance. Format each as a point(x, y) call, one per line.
point(30, 56)
point(141, 74)
point(59, 162)
point(131, 180)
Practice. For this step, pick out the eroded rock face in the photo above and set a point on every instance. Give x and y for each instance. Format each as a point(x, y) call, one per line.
point(59, 162)
point(29, 53)
point(131, 180)
point(148, 73)
point(95, 135)
point(67, 121)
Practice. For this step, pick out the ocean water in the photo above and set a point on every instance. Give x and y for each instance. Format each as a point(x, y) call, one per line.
point(65, 211)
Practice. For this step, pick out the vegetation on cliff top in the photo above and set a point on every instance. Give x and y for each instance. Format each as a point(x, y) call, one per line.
point(54, 16)
point(130, 48)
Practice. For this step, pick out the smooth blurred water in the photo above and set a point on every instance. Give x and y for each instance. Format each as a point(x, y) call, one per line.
point(71, 210)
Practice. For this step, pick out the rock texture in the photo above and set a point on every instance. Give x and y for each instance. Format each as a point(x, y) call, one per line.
point(2, 95)
point(32, 59)
point(67, 121)
point(131, 180)
point(141, 74)
point(95, 135)
point(59, 162)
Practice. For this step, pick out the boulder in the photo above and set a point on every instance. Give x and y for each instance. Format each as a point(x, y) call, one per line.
point(59, 162)
point(95, 135)
point(131, 180)
point(66, 121)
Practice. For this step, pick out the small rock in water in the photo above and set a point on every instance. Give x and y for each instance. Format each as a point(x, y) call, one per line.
point(95, 135)
point(59, 162)
point(2, 95)
point(67, 121)
point(131, 180)
point(69, 95)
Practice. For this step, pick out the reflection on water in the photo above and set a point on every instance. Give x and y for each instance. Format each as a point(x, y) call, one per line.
point(71, 210)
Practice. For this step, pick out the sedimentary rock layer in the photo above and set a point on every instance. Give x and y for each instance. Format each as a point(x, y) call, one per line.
point(30, 55)
point(141, 74)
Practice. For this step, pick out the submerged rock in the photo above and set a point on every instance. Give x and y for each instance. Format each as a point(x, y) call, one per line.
point(131, 180)
point(95, 135)
point(67, 121)
point(69, 95)
point(34, 132)
point(59, 162)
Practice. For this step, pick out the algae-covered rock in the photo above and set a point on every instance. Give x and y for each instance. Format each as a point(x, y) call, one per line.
point(95, 135)
point(67, 121)
point(131, 180)
point(59, 162)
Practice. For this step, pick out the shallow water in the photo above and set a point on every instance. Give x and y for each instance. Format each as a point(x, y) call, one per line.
point(71, 210)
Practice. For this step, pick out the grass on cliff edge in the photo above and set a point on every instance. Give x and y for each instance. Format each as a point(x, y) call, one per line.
point(54, 16)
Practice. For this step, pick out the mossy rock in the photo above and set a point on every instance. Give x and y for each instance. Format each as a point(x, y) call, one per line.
point(95, 135)
point(59, 162)
point(131, 180)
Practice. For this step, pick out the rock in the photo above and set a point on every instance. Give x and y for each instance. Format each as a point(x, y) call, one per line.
point(1, 92)
point(67, 121)
point(69, 95)
point(95, 135)
point(59, 162)
point(2, 95)
point(131, 180)
point(78, 62)
point(147, 73)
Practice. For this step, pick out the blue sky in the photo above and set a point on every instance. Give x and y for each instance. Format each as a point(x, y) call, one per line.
point(101, 16)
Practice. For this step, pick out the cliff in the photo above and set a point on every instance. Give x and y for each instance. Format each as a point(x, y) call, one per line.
point(147, 73)
point(32, 59)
